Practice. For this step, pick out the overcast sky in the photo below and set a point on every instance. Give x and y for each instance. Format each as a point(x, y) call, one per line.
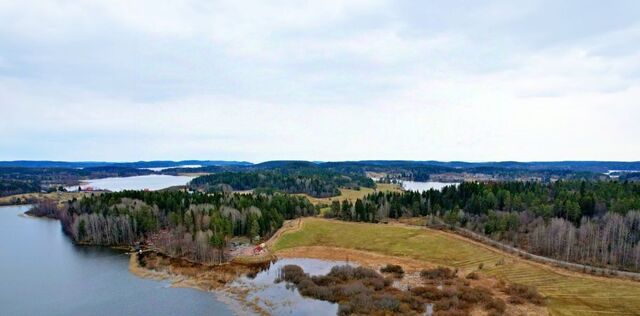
point(320, 80)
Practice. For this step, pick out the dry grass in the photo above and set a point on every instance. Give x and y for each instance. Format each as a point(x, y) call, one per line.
point(352, 195)
point(365, 258)
point(415, 221)
point(568, 293)
point(32, 197)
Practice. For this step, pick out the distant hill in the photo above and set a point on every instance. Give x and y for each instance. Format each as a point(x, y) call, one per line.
point(284, 164)
point(137, 164)
point(433, 165)
point(589, 166)
point(53, 164)
point(578, 166)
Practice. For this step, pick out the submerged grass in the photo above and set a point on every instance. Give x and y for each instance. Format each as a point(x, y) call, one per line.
point(568, 293)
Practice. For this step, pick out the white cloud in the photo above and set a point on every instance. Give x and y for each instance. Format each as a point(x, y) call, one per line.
point(322, 80)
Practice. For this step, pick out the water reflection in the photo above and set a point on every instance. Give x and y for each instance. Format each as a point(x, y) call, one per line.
point(281, 299)
point(44, 273)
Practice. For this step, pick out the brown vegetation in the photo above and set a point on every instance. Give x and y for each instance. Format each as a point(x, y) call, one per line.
point(395, 269)
point(44, 208)
point(439, 273)
point(32, 198)
point(185, 273)
point(360, 290)
point(519, 293)
point(473, 276)
point(357, 290)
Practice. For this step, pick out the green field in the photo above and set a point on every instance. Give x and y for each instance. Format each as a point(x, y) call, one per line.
point(568, 293)
point(352, 195)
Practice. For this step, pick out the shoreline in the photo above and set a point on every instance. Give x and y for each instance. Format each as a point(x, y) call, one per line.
point(294, 225)
point(412, 269)
point(207, 278)
point(213, 279)
point(234, 293)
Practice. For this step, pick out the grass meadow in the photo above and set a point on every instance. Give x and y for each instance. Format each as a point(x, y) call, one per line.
point(353, 195)
point(569, 293)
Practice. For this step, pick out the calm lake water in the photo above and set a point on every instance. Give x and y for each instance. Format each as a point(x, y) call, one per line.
point(287, 301)
point(151, 182)
point(44, 273)
point(424, 186)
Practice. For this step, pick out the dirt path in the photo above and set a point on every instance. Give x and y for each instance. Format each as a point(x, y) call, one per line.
point(547, 266)
point(288, 226)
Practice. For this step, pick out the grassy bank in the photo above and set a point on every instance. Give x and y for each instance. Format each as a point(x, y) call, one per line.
point(569, 293)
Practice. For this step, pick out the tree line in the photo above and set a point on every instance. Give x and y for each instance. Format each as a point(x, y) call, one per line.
point(589, 222)
point(18, 180)
point(15, 186)
point(192, 225)
point(313, 181)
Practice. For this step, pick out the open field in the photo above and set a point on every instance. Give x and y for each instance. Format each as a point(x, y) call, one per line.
point(32, 197)
point(352, 195)
point(569, 293)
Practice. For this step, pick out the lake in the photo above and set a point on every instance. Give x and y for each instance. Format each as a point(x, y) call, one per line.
point(151, 182)
point(44, 273)
point(279, 299)
point(424, 186)
point(165, 168)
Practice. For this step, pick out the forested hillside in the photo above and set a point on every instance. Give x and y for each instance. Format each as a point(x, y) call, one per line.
point(318, 179)
point(194, 225)
point(11, 186)
point(313, 181)
point(596, 223)
point(133, 164)
point(497, 171)
point(17, 180)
